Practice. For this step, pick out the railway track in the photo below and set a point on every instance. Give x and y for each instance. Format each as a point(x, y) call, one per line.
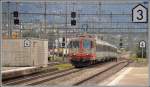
point(51, 76)
point(32, 79)
point(102, 75)
point(84, 76)
point(63, 74)
point(24, 79)
point(39, 70)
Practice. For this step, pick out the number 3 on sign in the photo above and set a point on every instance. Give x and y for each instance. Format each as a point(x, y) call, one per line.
point(140, 17)
point(140, 14)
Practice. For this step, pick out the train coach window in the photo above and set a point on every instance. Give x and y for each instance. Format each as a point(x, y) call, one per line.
point(104, 48)
point(87, 44)
point(99, 48)
point(111, 49)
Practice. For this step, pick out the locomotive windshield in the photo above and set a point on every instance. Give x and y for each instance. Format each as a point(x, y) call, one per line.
point(74, 44)
point(87, 44)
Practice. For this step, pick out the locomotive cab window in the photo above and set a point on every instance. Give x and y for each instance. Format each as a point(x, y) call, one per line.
point(87, 44)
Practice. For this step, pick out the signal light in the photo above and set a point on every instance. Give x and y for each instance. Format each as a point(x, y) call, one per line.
point(15, 13)
point(73, 14)
point(63, 44)
point(73, 22)
point(121, 44)
point(16, 21)
point(120, 39)
point(63, 39)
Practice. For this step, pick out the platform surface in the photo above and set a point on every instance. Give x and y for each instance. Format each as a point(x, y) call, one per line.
point(129, 76)
point(9, 69)
point(12, 69)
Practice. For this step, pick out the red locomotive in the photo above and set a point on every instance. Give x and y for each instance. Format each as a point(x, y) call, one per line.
point(85, 50)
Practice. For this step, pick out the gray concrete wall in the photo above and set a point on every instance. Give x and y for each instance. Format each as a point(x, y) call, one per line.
point(15, 54)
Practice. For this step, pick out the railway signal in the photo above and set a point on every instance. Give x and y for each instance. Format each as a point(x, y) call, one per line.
point(15, 13)
point(120, 39)
point(73, 22)
point(16, 19)
point(73, 16)
point(63, 42)
point(121, 43)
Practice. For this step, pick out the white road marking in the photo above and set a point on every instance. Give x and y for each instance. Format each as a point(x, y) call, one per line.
point(117, 79)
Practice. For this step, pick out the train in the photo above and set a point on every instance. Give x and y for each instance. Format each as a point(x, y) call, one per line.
point(85, 50)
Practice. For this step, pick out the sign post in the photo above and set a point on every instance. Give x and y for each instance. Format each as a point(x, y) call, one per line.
point(27, 43)
point(142, 46)
point(140, 14)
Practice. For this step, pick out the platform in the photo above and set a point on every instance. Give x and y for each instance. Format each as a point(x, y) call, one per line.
point(12, 72)
point(129, 76)
point(11, 69)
